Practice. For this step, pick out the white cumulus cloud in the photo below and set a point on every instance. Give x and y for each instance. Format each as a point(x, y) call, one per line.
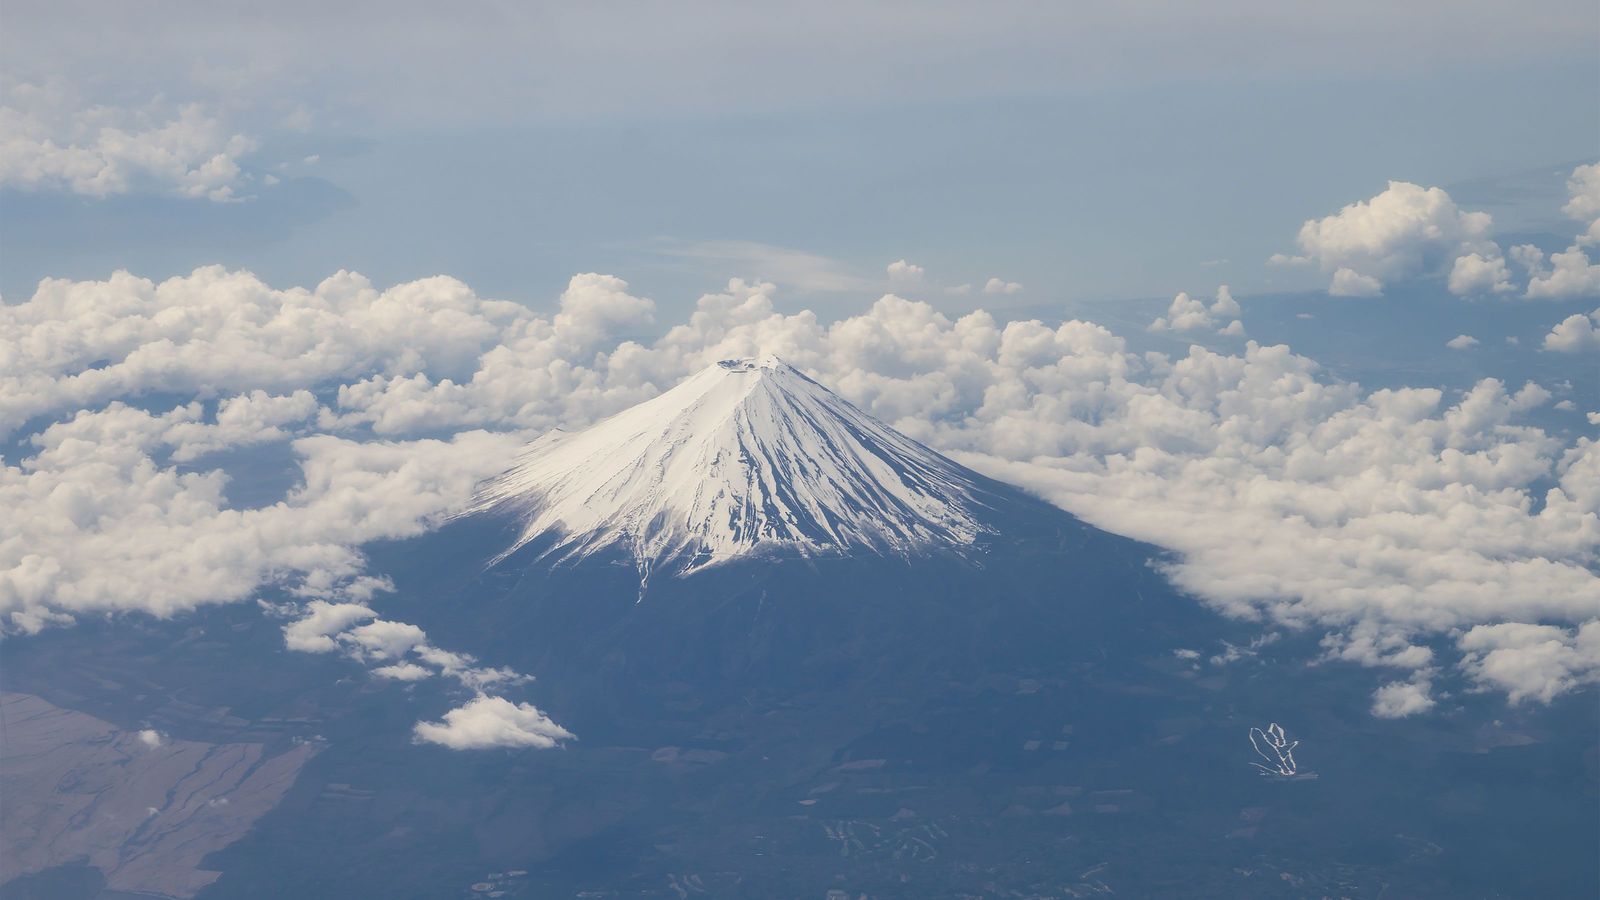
point(1583, 203)
point(1399, 699)
point(1475, 274)
point(1569, 275)
point(1347, 282)
point(1575, 333)
point(314, 631)
point(49, 139)
point(98, 524)
point(1404, 232)
point(1190, 314)
point(400, 652)
point(493, 722)
point(1535, 662)
point(403, 672)
point(383, 640)
point(902, 272)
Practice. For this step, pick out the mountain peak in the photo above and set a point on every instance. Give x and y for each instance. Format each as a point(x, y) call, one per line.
point(751, 364)
point(746, 456)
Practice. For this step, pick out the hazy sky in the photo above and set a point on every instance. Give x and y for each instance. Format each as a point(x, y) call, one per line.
point(1086, 150)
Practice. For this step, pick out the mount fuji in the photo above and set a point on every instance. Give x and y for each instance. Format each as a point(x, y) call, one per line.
point(805, 656)
point(748, 456)
point(750, 529)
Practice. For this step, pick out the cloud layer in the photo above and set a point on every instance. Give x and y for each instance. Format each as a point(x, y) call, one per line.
point(1396, 522)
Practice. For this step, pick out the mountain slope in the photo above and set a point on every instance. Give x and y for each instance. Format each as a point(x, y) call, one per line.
point(900, 679)
point(745, 456)
point(810, 544)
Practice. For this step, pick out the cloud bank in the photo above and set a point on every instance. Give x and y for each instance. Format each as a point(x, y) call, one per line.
point(1397, 521)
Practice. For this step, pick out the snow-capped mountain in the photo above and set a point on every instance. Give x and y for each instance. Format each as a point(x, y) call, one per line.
point(889, 641)
point(747, 455)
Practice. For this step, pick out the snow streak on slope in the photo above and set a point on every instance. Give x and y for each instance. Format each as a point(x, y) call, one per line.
point(746, 455)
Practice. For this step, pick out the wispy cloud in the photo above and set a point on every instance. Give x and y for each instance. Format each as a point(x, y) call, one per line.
point(800, 270)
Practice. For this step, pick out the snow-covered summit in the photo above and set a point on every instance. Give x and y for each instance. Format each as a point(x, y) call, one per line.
point(746, 455)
